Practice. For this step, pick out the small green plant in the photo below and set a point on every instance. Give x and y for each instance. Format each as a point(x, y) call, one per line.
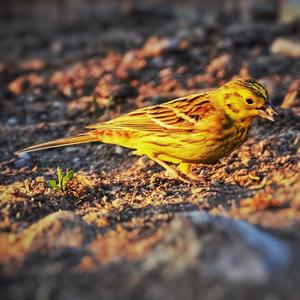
point(62, 180)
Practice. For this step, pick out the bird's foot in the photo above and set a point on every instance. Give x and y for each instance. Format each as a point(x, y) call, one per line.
point(186, 169)
point(176, 175)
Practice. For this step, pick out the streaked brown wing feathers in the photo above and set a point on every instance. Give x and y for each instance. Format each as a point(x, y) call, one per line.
point(178, 115)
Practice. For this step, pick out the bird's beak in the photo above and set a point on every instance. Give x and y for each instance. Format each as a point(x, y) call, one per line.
point(267, 112)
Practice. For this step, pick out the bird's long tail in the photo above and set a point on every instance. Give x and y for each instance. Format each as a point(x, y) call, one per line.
point(72, 140)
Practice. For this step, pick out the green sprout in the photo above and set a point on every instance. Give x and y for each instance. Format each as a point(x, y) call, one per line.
point(62, 180)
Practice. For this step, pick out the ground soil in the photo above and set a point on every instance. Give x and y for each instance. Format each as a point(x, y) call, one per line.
point(98, 237)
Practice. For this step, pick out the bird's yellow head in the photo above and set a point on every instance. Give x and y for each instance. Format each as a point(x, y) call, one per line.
point(245, 98)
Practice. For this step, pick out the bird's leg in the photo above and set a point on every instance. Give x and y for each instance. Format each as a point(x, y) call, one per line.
point(186, 169)
point(169, 169)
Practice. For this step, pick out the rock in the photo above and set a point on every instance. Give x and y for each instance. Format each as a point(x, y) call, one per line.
point(59, 230)
point(290, 99)
point(12, 121)
point(286, 47)
point(178, 251)
point(155, 46)
point(218, 248)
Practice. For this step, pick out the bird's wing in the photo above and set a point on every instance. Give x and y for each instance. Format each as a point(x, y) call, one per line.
point(182, 114)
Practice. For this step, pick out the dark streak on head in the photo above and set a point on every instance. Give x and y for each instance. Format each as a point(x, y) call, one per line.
point(255, 87)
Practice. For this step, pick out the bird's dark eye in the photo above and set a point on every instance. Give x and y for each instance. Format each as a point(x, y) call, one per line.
point(249, 101)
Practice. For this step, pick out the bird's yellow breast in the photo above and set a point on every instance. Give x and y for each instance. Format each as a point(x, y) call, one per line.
point(207, 144)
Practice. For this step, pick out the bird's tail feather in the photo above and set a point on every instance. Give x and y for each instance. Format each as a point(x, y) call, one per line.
point(72, 140)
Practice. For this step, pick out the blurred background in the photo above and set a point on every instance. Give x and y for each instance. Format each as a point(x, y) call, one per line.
point(44, 16)
point(66, 10)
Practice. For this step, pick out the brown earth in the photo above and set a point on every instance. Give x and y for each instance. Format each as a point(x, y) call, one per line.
point(122, 229)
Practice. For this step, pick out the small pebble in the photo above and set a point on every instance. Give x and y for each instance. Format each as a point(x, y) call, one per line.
point(118, 150)
point(24, 156)
point(22, 161)
point(57, 104)
point(30, 98)
point(76, 160)
point(71, 149)
point(12, 121)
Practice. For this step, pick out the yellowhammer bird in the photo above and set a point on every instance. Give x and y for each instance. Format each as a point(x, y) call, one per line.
point(197, 129)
